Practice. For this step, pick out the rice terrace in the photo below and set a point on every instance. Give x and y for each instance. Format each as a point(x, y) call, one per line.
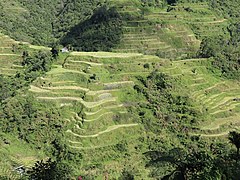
point(119, 89)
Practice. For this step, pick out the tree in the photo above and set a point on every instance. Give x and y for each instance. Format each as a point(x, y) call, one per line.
point(126, 175)
point(171, 2)
point(102, 31)
point(234, 138)
point(192, 165)
point(25, 55)
point(37, 64)
point(54, 52)
point(49, 170)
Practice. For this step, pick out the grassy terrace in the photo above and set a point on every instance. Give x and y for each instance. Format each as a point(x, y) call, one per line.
point(99, 82)
point(93, 88)
point(219, 98)
point(15, 152)
point(9, 58)
point(91, 80)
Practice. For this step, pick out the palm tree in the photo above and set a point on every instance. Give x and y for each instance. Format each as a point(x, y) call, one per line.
point(234, 138)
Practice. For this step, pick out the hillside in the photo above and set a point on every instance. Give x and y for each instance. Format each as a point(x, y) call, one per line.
point(170, 31)
point(24, 20)
point(166, 31)
point(103, 83)
point(10, 56)
point(149, 90)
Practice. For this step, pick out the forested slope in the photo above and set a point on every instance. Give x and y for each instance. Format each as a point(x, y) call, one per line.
point(42, 22)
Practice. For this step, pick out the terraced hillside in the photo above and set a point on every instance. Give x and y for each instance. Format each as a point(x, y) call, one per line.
point(13, 149)
point(172, 32)
point(169, 32)
point(98, 81)
point(11, 53)
point(95, 89)
point(10, 56)
point(96, 113)
point(218, 98)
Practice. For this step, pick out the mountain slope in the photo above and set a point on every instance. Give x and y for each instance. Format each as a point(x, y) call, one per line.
point(142, 110)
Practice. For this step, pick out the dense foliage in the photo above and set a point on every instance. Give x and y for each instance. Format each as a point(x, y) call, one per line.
point(225, 51)
point(169, 109)
point(33, 24)
point(21, 114)
point(35, 66)
point(101, 32)
point(39, 124)
point(229, 8)
point(30, 23)
point(71, 14)
point(49, 170)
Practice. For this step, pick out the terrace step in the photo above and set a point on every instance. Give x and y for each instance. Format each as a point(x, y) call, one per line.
point(109, 129)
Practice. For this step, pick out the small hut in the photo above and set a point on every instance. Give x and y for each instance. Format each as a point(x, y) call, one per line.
point(65, 50)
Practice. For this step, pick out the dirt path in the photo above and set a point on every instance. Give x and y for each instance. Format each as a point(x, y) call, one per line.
point(59, 70)
point(9, 54)
point(207, 100)
point(7, 69)
point(87, 148)
point(212, 135)
point(132, 73)
point(120, 82)
point(215, 85)
point(104, 114)
point(228, 107)
point(91, 120)
point(219, 21)
point(61, 98)
point(214, 96)
point(191, 60)
point(86, 62)
point(211, 22)
point(221, 121)
point(62, 82)
point(94, 93)
point(86, 104)
point(215, 135)
point(67, 88)
point(222, 102)
point(37, 89)
point(106, 54)
point(109, 129)
point(98, 103)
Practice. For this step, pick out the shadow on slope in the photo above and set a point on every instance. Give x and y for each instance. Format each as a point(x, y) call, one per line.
point(102, 31)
